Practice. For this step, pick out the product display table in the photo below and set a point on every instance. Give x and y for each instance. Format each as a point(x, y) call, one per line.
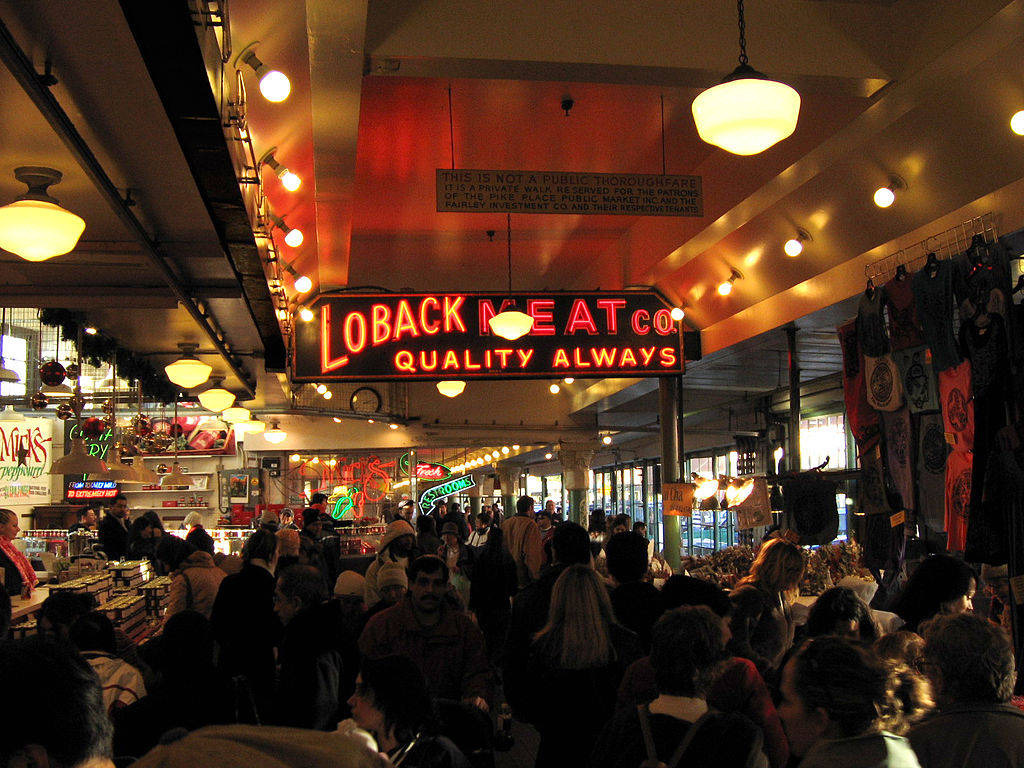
point(20, 608)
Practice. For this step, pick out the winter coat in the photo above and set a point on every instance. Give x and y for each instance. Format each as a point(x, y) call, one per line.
point(523, 538)
point(371, 587)
point(121, 682)
point(971, 735)
point(194, 585)
point(113, 536)
point(493, 581)
point(873, 750)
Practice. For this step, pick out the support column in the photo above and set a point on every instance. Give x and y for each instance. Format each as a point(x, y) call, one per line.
point(508, 476)
point(793, 438)
point(575, 459)
point(475, 497)
point(669, 417)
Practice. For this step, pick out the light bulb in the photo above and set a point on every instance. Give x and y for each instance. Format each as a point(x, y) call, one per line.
point(235, 415)
point(724, 289)
point(451, 387)
point(568, 379)
point(275, 86)
point(305, 314)
point(547, 455)
point(90, 330)
point(884, 197)
point(315, 460)
point(793, 247)
point(369, 421)
point(275, 434)
point(321, 388)
point(393, 426)
point(289, 180)
point(607, 439)
point(515, 447)
point(505, 450)
point(328, 395)
point(303, 284)
point(554, 389)
point(293, 238)
point(677, 313)
point(336, 420)
point(295, 457)
point(1017, 123)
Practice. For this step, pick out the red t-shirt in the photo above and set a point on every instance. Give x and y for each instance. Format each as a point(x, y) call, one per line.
point(959, 467)
point(956, 401)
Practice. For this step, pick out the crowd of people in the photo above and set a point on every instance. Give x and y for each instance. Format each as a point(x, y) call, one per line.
point(460, 619)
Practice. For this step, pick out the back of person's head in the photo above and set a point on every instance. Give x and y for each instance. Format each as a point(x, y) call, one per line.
point(622, 520)
point(187, 642)
point(973, 658)
point(495, 539)
point(310, 516)
point(680, 590)
point(578, 630)
point(845, 680)
point(40, 676)
point(318, 498)
point(172, 551)
point(524, 505)
point(570, 545)
point(484, 518)
point(912, 694)
point(778, 567)
point(639, 526)
point(62, 609)
point(397, 688)
point(94, 632)
point(598, 523)
point(427, 564)
point(261, 545)
point(455, 508)
point(938, 583)
point(543, 514)
point(304, 584)
point(154, 519)
point(838, 611)
point(626, 557)
point(140, 526)
point(902, 646)
point(686, 645)
point(425, 524)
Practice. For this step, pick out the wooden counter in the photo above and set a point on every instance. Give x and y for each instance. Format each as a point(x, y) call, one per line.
point(20, 608)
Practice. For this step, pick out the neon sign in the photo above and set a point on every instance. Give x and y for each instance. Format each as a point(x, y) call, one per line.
point(424, 470)
point(370, 480)
point(438, 491)
point(92, 489)
point(371, 336)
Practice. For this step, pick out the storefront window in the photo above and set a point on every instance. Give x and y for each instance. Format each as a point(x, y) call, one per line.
point(16, 359)
point(823, 437)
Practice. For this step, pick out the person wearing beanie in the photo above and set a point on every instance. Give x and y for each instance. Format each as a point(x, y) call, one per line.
point(197, 535)
point(348, 595)
point(396, 547)
point(269, 520)
point(393, 584)
point(457, 556)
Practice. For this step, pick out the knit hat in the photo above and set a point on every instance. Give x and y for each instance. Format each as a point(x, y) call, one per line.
point(193, 518)
point(350, 584)
point(287, 542)
point(392, 575)
point(394, 530)
point(310, 516)
point(451, 528)
point(269, 517)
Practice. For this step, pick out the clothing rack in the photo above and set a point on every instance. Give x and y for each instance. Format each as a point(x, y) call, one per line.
point(945, 245)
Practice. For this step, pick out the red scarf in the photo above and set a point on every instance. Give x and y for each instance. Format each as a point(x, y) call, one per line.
point(28, 575)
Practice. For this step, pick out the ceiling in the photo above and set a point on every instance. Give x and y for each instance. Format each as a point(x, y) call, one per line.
point(385, 92)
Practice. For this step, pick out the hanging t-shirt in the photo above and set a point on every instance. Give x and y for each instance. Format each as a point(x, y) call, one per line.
point(904, 329)
point(863, 419)
point(933, 304)
point(870, 324)
point(930, 468)
point(885, 389)
point(871, 488)
point(981, 282)
point(959, 467)
point(899, 455)
point(920, 388)
point(956, 397)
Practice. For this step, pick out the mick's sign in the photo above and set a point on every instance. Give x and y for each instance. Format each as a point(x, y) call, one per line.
point(26, 449)
point(434, 336)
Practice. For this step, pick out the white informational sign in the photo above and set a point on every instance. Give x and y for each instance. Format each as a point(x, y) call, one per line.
point(26, 453)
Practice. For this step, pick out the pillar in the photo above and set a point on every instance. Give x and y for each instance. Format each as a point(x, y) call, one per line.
point(508, 476)
point(475, 497)
point(575, 459)
point(668, 418)
point(793, 443)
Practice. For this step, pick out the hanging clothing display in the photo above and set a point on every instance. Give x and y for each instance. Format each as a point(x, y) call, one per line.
point(884, 386)
point(933, 300)
point(982, 282)
point(904, 329)
point(920, 387)
point(930, 470)
point(898, 455)
point(872, 497)
point(959, 467)
point(862, 418)
point(956, 396)
point(870, 324)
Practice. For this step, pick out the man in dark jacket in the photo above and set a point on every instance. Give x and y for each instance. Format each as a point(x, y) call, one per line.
point(570, 545)
point(113, 529)
point(970, 663)
point(310, 550)
point(637, 603)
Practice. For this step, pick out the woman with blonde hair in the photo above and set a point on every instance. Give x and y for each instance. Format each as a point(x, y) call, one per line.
point(576, 664)
point(775, 581)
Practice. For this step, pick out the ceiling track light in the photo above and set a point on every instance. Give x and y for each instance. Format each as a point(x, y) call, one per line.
point(305, 314)
point(795, 245)
point(34, 226)
point(188, 371)
point(292, 237)
point(886, 196)
point(274, 85)
point(725, 287)
point(302, 283)
point(289, 180)
point(747, 112)
point(510, 323)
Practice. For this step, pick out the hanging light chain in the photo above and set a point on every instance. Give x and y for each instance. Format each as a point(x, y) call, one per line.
point(743, 32)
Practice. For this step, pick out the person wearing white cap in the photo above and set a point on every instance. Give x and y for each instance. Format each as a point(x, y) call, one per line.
point(197, 535)
point(396, 546)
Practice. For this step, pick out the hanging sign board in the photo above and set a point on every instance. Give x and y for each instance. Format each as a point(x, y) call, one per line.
point(25, 458)
point(435, 336)
point(677, 499)
point(608, 194)
point(454, 485)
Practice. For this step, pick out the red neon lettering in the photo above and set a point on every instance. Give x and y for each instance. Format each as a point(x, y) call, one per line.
point(470, 365)
point(433, 359)
point(354, 332)
point(578, 360)
point(450, 361)
point(541, 312)
point(326, 363)
point(580, 317)
point(381, 314)
point(561, 359)
point(504, 354)
point(663, 324)
point(486, 311)
point(452, 318)
point(611, 308)
point(429, 328)
point(487, 358)
point(638, 329)
point(628, 359)
point(404, 321)
point(524, 357)
point(603, 357)
point(647, 353)
point(668, 357)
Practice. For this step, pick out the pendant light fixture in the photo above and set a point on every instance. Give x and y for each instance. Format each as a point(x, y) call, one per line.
point(747, 112)
point(510, 324)
point(275, 434)
point(216, 398)
point(9, 414)
point(188, 371)
point(235, 414)
point(292, 236)
point(6, 374)
point(34, 226)
point(175, 476)
point(451, 387)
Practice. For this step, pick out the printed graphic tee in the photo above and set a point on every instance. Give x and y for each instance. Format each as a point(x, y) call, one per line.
point(920, 387)
point(884, 385)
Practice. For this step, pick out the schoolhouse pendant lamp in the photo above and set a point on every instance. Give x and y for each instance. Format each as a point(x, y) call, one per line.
point(216, 398)
point(510, 324)
point(275, 434)
point(34, 226)
point(747, 112)
point(451, 387)
point(188, 371)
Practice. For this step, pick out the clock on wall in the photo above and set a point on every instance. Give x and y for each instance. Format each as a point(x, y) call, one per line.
point(365, 400)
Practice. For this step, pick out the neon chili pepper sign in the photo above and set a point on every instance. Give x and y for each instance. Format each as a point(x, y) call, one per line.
point(434, 336)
